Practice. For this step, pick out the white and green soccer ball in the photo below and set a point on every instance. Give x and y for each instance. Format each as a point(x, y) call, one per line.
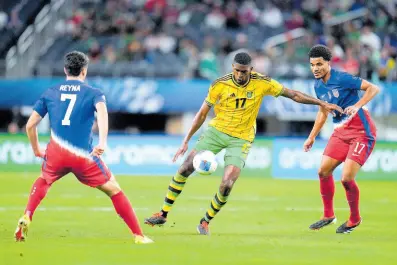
point(204, 162)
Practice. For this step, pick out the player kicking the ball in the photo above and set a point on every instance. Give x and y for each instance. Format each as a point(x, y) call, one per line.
point(352, 140)
point(237, 98)
point(71, 108)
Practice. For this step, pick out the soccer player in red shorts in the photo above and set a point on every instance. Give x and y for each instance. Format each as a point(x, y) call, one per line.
point(71, 107)
point(352, 140)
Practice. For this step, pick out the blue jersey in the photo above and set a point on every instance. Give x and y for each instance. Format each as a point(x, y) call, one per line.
point(71, 109)
point(341, 89)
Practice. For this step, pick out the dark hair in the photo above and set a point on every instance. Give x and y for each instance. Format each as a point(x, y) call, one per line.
point(75, 62)
point(242, 58)
point(320, 51)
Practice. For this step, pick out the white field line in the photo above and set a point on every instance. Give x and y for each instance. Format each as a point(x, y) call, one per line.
point(66, 196)
point(177, 209)
point(185, 197)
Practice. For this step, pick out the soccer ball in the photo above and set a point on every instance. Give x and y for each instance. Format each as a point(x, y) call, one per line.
point(204, 162)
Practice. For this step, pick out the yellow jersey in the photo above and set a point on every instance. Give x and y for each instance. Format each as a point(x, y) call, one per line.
point(237, 106)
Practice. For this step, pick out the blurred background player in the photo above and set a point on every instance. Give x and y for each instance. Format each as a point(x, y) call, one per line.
point(237, 98)
point(71, 106)
point(353, 139)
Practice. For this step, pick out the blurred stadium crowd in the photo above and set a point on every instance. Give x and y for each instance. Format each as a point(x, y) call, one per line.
point(198, 38)
point(145, 37)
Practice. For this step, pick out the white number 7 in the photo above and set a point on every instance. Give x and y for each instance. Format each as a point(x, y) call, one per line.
point(72, 97)
point(357, 146)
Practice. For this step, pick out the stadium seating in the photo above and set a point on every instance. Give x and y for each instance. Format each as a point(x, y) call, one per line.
point(20, 14)
point(213, 31)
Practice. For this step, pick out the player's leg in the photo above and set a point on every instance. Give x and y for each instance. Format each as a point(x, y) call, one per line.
point(220, 198)
point(350, 170)
point(208, 141)
point(235, 156)
point(334, 154)
point(122, 205)
point(124, 209)
point(37, 194)
point(52, 170)
point(175, 188)
point(359, 152)
point(178, 183)
point(96, 174)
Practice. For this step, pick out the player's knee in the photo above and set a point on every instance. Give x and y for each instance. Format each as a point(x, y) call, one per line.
point(324, 172)
point(113, 191)
point(111, 188)
point(186, 169)
point(347, 178)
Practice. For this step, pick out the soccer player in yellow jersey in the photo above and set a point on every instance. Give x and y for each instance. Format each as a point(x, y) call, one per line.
point(236, 98)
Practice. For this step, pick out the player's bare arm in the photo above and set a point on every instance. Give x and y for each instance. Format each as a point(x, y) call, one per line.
point(321, 118)
point(370, 92)
point(303, 98)
point(197, 122)
point(31, 130)
point(102, 117)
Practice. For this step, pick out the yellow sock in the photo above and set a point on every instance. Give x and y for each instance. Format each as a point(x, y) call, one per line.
point(216, 204)
point(174, 189)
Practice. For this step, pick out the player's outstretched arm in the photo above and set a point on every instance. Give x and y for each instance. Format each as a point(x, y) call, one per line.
point(197, 122)
point(102, 118)
point(31, 131)
point(303, 98)
point(370, 92)
point(321, 118)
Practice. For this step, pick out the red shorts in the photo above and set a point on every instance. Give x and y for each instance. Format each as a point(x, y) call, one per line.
point(59, 161)
point(354, 140)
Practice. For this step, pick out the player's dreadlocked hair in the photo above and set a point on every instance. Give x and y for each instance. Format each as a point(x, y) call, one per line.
point(320, 51)
point(242, 58)
point(75, 62)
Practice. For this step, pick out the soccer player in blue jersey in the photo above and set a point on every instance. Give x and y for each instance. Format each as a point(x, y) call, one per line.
point(353, 138)
point(71, 107)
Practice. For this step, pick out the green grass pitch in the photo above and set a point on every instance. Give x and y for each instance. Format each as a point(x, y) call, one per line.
point(265, 222)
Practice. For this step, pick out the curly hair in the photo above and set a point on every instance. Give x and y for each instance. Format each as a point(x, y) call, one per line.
point(242, 58)
point(320, 51)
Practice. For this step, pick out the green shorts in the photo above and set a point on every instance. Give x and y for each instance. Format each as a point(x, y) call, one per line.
point(236, 149)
